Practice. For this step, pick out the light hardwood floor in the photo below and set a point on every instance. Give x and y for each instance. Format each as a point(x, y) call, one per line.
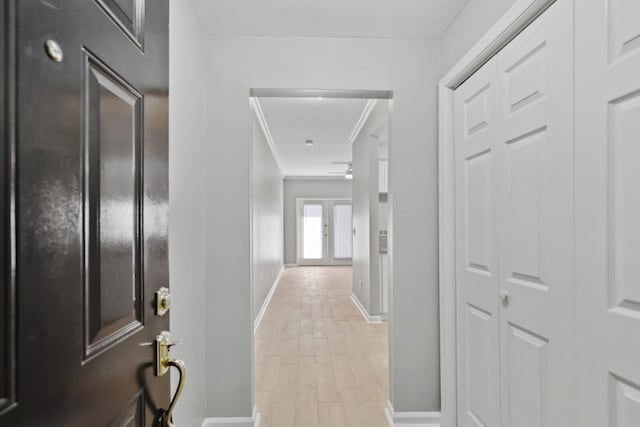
point(317, 361)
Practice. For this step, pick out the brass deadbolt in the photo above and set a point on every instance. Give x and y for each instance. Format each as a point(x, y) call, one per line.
point(163, 301)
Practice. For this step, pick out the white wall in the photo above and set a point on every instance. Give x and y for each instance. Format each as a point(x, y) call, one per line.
point(366, 265)
point(186, 208)
point(307, 189)
point(267, 206)
point(470, 25)
point(409, 68)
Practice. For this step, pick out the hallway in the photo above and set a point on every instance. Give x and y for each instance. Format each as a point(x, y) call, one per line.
point(317, 361)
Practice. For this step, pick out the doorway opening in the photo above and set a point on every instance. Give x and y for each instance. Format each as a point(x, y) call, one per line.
point(320, 264)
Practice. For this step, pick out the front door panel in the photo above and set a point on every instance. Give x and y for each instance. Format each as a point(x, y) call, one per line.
point(90, 160)
point(113, 172)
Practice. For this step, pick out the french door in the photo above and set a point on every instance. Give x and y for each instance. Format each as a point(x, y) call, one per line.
point(325, 232)
point(514, 221)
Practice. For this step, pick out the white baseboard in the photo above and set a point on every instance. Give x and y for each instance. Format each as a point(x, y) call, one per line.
point(363, 311)
point(252, 421)
point(267, 300)
point(412, 419)
point(290, 265)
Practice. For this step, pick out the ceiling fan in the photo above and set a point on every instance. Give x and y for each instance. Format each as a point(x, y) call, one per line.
point(348, 174)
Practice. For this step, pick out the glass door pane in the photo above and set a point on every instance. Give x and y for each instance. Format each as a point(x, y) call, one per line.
point(342, 237)
point(313, 231)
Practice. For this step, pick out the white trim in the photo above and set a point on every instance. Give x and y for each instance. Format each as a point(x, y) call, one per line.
point(290, 265)
point(267, 300)
point(257, 108)
point(314, 178)
point(411, 419)
point(446, 268)
point(363, 311)
point(516, 19)
point(252, 421)
point(324, 199)
point(368, 109)
point(324, 93)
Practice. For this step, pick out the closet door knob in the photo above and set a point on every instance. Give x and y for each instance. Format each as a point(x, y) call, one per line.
point(504, 297)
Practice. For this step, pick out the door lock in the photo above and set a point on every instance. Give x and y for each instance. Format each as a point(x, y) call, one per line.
point(163, 345)
point(163, 301)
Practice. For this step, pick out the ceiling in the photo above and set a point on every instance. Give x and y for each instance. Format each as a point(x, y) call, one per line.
point(329, 122)
point(329, 18)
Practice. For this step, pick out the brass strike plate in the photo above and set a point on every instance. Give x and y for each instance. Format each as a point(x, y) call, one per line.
point(163, 301)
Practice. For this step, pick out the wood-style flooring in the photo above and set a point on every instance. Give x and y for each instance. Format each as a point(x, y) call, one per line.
point(317, 361)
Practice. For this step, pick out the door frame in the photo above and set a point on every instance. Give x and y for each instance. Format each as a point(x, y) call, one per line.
point(329, 218)
point(512, 23)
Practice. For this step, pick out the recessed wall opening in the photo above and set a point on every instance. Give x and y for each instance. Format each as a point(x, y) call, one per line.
point(320, 208)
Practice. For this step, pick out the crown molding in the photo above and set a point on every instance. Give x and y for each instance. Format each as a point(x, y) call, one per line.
point(257, 108)
point(366, 113)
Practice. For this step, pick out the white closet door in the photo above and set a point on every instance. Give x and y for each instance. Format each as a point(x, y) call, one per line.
point(476, 250)
point(514, 232)
point(535, 209)
point(608, 211)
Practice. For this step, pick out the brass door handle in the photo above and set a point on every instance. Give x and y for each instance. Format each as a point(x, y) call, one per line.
point(163, 363)
point(167, 417)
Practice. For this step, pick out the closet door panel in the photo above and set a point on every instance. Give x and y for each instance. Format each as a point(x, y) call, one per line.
point(607, 211)
point(534, 161)
point(476, 259)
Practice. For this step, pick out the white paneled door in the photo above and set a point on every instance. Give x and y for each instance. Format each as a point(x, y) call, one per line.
point(477, 251)
point(608, 211)
point(325, 235)
point(514, 221)
point(535, 187)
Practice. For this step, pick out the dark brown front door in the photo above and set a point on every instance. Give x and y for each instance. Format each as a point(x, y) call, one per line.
point(84, 204)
